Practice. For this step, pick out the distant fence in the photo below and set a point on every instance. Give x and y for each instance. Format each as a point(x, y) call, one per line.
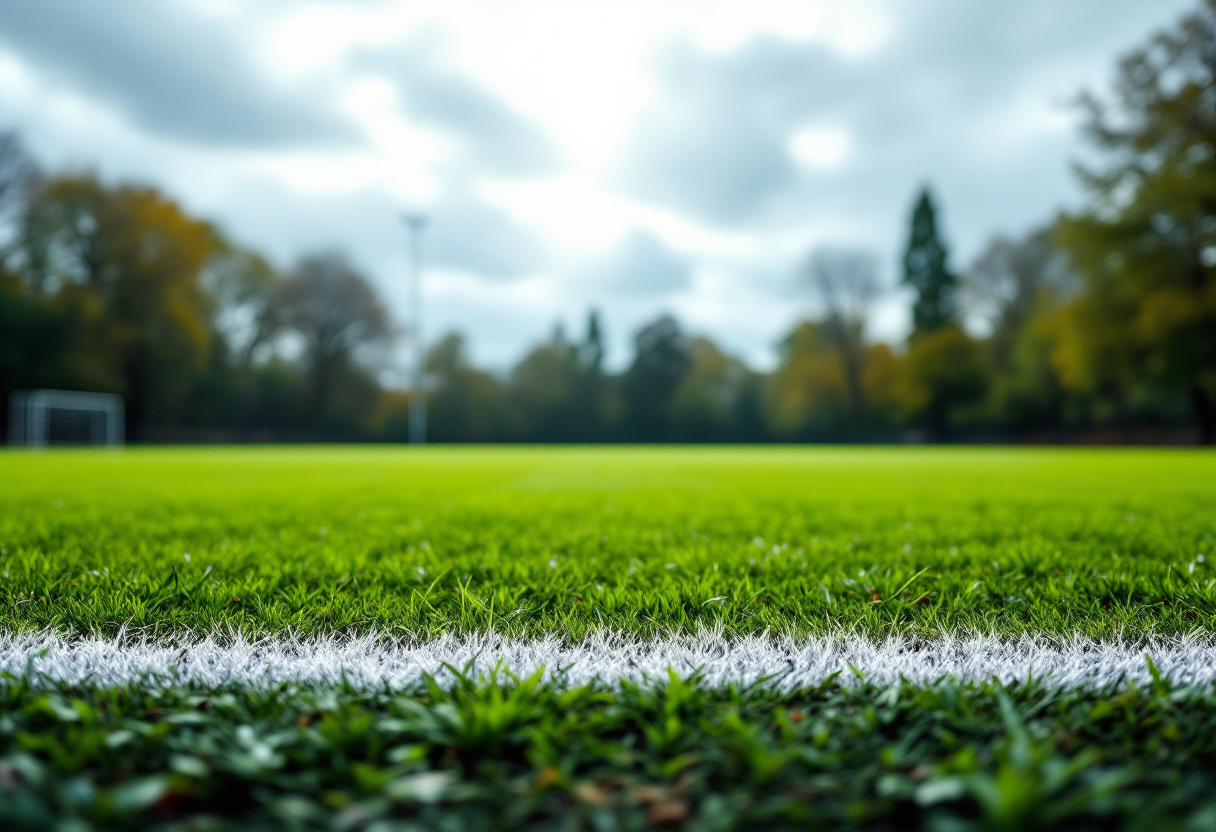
point(55, 417)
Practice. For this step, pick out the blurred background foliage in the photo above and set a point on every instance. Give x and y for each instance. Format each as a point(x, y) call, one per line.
point(1100, 324)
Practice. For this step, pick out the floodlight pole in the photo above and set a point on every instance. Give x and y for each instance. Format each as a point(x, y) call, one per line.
point(416, 223)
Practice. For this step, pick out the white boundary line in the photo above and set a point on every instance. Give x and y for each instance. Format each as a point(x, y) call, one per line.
point(370, 662)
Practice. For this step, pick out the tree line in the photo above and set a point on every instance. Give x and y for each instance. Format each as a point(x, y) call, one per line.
point(1102, 320)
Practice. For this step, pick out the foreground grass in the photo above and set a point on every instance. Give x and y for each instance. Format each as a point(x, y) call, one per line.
point(642, 541)
point(420, 542)
point(526, 755)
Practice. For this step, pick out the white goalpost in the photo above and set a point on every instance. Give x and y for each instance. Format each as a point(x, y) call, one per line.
point(45, 417)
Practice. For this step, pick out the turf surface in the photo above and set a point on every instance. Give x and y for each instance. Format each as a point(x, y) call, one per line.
point(646, 543)
point(417, 542)
point(526, 755)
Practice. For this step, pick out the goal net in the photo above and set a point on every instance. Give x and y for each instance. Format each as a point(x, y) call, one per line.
point(53, 417)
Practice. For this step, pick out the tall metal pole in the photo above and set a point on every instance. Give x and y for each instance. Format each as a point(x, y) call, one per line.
point(416, 224)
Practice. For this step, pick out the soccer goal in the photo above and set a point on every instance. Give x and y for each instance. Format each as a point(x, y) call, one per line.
point(54, 417)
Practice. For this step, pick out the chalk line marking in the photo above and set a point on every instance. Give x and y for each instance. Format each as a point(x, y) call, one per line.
point(370, 662)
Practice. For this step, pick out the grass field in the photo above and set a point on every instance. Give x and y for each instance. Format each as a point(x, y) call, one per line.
point(766, 549)
point(918, 541)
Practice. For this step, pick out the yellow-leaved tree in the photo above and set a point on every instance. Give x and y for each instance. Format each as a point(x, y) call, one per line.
point(124, 263)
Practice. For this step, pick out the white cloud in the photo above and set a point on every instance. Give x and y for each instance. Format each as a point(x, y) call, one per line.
point(750, 130)
point(821, 148)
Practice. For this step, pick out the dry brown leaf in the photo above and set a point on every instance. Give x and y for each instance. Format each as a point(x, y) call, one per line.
point(668, 812)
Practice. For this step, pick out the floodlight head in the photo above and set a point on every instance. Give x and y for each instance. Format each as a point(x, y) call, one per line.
point(414, 220)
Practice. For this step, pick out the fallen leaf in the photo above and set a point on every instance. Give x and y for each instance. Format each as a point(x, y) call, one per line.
point(592, 795)
point(668, 813)
point(548, 776)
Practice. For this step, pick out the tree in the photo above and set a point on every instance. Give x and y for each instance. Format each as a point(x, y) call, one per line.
point(944, 373)
point(34, 340)
point(341, 320)
point(1146, 246)
point(1016, 285)
point(545, 387)
point(807, 396)
point(560, 390)
point(124, 262)
point(18, 173)
point(846, 284)
point(247, 309)
point(597, 405)
point(33, 336)
point(660, 364)
point(718, 400)
point(1012, 280)
point(590, 354)
point(926, 270)
point(943, 369)
point(466, 404)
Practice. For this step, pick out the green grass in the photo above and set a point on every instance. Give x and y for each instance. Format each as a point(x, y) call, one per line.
point(645, 541)
point(526, 755)
point(640, 540)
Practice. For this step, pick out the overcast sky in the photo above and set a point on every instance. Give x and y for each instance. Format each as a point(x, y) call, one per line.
point(637, 157)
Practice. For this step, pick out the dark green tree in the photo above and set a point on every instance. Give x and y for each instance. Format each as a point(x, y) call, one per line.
point(597, 408)
point(545, 388)
point(944, 377)
point(719, 399)
point(466, 404)
point(661, 362)
point(926, 270)
point(591, 351)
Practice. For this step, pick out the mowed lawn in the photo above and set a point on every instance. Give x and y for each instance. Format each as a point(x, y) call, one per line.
point(642, 541)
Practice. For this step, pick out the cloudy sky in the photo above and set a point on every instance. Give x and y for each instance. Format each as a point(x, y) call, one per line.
point(637, 157)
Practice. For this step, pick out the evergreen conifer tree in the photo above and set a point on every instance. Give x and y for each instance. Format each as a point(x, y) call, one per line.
point(925, 270)
point(591, 351)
